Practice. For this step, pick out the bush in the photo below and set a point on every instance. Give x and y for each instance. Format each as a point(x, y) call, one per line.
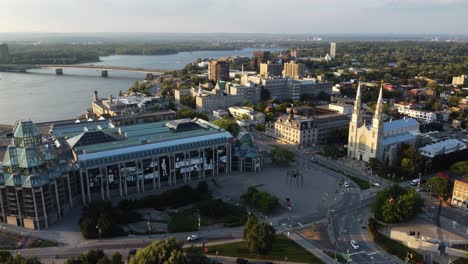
point(460, 167)
point(281, 156)
point(99, 213)
point(263, 201)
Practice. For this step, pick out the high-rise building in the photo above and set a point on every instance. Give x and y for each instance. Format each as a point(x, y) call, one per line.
point(294, 70)
point(333, 50)
point(259, 57)
point(218, 70)
point(296, 53)
point(3, 52)
point(270, 69)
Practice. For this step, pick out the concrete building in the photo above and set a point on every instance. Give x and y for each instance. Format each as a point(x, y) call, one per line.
point(332, 50)
point(420, 115)
point(460, 193)
point(4, 54)
point(259, 57)
point(378, 140)
point(270, 69)
point(442, 147)
point(218, 70)
point(246, 116)
point(341, 108)
point(288, 88)
point(121, 161)
point(306, 131)
point(294, 70)
point(296, 53)
point(224, 95)
point(36, 188)
point(460, 80)
point(130, 103)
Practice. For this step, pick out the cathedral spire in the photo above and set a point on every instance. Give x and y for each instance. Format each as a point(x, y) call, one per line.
point(357, 106)
point(377, 121)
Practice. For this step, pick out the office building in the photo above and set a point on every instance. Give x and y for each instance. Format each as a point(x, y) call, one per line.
point(306, 130)
point(247, 117)
point(460, 80)
point(294, 70)
point(460, 193)
point(422, 116)
point(218, 70)
point(259, 57)
point(4, 54)
point(332, 50)
point(36, 188)
point(378, 140)
point(224, 95)
point(296, 53)
point(271, 69)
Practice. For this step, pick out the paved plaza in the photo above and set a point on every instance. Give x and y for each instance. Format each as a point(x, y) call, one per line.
point(316, 191)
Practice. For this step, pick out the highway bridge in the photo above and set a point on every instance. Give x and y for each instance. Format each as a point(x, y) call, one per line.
point(59, 68)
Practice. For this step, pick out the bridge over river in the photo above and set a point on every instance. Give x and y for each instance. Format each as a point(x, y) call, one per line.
point(59, 68)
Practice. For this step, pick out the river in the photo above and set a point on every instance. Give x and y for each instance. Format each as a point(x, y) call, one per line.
point(40, 95)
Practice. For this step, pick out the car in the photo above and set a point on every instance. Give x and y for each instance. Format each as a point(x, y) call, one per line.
point(132, 252)
point(347, 184)
point(192, 238)
point(376, 184)
point(241, 261)
point(414, 182)
point(354, 244)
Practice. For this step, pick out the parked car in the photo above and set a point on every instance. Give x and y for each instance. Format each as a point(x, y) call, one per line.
point(354, 244)
point(192, 238)
point(241, 261)
point(376, 184)
point(347, 184)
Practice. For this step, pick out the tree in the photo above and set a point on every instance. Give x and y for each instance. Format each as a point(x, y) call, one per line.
point(117, 258)
point(229, 124)
point(260, 238)
point(167, 251)
point(249, 225)
point(395, 204)
point(189, 113)
point(188, 100)
point(281, 156)
point(196, 256)
point(440, 186)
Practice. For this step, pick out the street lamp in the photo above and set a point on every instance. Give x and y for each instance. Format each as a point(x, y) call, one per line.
point(99, 232)
point(285, 260)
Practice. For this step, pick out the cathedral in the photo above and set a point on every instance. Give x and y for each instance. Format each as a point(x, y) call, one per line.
point(379, 139)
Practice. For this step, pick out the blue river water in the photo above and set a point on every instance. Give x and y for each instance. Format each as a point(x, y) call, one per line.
point(40, 95)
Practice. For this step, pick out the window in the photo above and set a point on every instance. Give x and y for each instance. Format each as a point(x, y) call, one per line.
point(362, 143)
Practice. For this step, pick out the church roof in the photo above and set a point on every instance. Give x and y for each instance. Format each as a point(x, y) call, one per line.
point(400, 123)
point(407, 136)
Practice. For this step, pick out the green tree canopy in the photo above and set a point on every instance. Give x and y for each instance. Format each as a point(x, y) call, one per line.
point(282, 156)
point(229, 124)
point(167, 251)
point(396, 204)
point(440, 186)
point(259, 238)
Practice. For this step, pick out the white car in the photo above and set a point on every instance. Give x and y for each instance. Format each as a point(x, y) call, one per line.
point(376, 184)
point(354, 244)
point(192, 238)
point(346, 184)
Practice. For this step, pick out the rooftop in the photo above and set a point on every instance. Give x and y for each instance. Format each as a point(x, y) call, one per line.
point(464, 180)
point(400, 123)
point(442, 147)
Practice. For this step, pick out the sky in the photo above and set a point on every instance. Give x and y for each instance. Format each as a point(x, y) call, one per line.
point(240, 16)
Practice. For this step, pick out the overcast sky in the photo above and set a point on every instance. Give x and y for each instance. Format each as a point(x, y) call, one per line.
point(247, 16)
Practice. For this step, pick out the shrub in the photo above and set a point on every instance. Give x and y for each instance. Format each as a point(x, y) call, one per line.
point(263, 201)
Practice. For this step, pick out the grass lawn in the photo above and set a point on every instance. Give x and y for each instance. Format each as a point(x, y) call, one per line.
point(282, 247)
point(461, 261)
point(361, 183)
point(182, 222)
